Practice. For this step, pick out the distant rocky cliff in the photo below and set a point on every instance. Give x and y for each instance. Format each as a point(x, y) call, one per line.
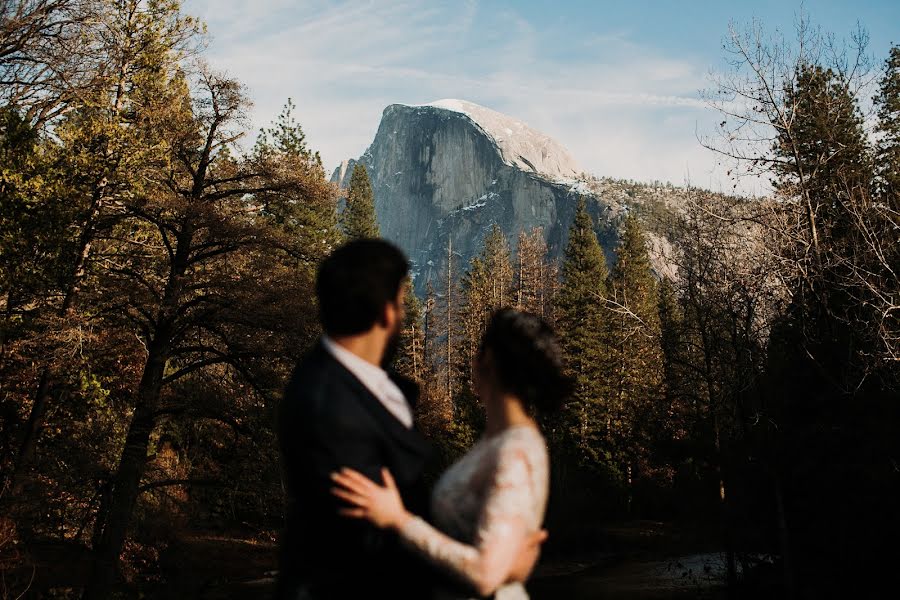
point(445, 172)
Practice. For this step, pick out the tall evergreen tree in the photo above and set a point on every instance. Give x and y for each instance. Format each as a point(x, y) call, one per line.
point(825, 164)
point(581, 321)
point(486, 286)
point(534, 274)
point(433, 412)
point(286, 136)
point(301, 212)
point(475, 303)
point(888, 102)
point(495, 257)
point(635, 351)
point(411, 352)
point(820, 352)
point(824, 159)
point(888, 171)
point(359, 219)
point(671, 336)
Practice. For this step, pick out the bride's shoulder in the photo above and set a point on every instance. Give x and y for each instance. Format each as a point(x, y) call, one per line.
point(523, 440)
point(523, 434)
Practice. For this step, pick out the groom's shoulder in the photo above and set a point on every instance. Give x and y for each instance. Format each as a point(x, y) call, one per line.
point(317, 376)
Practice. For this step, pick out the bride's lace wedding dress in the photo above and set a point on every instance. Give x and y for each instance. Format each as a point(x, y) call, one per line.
point(483, 507)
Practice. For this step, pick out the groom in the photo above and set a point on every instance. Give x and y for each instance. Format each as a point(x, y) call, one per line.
point(342, 409)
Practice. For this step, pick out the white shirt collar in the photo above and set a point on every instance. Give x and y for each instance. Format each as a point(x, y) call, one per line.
point(375, 379)
point(356, 364)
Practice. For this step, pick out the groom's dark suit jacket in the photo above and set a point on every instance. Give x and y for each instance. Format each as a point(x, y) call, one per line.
point(328, 419)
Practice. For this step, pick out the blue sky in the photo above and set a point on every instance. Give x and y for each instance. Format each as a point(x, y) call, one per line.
point(615, 82)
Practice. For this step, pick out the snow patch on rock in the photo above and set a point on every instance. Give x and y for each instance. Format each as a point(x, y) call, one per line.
point(520, 145)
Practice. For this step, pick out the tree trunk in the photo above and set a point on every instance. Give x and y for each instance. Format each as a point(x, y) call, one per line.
point(784, 538)
point(32, 427)
point(125, 488)
point(126, 485)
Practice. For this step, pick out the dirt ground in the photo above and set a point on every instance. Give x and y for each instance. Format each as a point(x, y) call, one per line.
point(648, 561)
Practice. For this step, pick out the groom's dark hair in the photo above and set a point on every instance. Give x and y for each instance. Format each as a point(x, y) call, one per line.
point(356, 282)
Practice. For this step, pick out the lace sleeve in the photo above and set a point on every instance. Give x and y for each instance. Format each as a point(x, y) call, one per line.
point(502, 528)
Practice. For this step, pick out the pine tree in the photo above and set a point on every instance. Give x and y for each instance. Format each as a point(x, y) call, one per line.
point(671, 339)
point(441, 338)
point(824, 159)
point(581, 321)
point(495, 257)
point(410, 360)
point(829, 148)
point(433, 413)
point(534, 274)
point(636, 354)
point(286, 136)
point(302, 211)
point(475, 304)
point(888, 171)
point(358, 218)
point(888, 154)
point(486, 286)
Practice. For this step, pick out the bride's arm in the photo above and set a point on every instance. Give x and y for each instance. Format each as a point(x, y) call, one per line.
point(484, 566)
point(502, 533)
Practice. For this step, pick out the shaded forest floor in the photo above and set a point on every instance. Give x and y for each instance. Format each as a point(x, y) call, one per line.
point(642, 560)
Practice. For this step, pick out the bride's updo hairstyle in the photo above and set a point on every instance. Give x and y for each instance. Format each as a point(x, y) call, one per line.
point(527, 359)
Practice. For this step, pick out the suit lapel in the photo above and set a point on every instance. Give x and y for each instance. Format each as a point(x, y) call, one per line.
point(407, 436)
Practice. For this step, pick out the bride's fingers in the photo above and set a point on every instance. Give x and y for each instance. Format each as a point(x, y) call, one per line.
point(388, 478)
point(347, 481)
point(355, 499)
point(356, 513)
point(359, 478)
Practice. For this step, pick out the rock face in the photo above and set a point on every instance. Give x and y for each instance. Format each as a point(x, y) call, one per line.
point(443, 173)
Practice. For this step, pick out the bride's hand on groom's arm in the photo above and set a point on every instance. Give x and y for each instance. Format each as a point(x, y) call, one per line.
point(527, 557)
point(380, 505)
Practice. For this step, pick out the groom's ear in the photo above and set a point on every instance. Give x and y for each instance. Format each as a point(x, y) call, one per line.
point(389, 315)
point(384, 317)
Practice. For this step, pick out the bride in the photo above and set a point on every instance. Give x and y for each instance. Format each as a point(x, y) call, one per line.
point(489, 503)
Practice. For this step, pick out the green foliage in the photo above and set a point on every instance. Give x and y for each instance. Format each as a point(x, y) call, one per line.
point(495, 257)
point(358, 218)
point(486, 286)
point(583, 326)
point(824, 158)
point(286, 137)
point(410, 360)
point(35, 216)
point(536, 275)
point(300, 205)
point(671, 326)
point(635, 352)
point(888, 151)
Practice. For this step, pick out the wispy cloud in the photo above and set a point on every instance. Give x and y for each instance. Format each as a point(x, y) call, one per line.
point(622, 108)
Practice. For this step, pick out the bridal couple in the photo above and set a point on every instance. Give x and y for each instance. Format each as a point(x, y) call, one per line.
point(360, 520)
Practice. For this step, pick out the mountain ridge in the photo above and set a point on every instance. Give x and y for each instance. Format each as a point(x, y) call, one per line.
point(446, 171)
